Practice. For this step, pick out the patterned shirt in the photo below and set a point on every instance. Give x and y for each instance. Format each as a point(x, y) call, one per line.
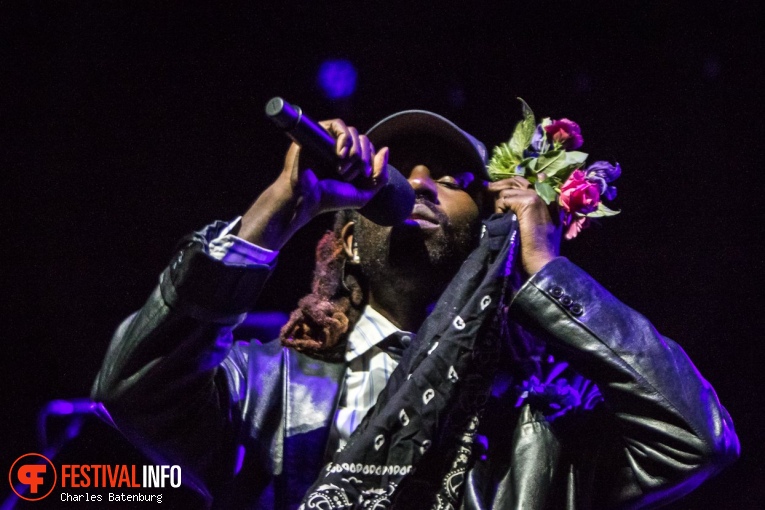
point(369, 368)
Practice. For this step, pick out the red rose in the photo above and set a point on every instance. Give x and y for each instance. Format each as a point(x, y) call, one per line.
point(578, 195)
point(566, 133)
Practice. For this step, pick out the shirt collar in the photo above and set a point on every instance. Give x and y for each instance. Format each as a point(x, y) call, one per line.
point(370, 329)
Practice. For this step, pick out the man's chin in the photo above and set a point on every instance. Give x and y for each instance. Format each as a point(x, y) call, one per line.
point(411, 249)
point(407, 245)
point(420, 248)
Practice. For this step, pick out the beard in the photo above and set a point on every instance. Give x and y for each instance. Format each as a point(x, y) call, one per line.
point(414, 258)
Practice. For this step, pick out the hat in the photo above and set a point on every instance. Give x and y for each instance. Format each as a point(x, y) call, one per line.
point(413, 123)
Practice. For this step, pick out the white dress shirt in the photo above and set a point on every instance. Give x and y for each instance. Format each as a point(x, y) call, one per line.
point(369, 369)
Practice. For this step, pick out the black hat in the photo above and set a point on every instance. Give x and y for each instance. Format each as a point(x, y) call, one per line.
point(411, 124)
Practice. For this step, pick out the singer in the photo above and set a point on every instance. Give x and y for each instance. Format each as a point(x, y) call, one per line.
point(453, 360)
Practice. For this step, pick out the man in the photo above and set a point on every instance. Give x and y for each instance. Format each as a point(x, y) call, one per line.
point(265, 426)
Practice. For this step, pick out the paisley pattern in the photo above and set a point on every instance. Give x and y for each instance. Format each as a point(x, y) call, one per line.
point(332, 497)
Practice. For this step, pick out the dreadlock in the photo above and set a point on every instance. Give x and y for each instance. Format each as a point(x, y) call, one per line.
point(319, 325)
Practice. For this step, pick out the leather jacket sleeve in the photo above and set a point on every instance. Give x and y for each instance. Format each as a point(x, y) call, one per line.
point(158, 381)
point(661, 430)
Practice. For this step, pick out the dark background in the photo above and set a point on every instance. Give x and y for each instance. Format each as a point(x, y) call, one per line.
point(127, 124)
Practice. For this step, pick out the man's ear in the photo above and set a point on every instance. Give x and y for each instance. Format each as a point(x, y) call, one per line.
point(347, 236)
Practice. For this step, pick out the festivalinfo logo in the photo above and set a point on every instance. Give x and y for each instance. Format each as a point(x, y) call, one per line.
point(36, 473)
point(33, 477)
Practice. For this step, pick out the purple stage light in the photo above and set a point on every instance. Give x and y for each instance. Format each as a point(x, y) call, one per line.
point(240, 451)
point(73, 409)
point(261, 326)
point(337, 78)
point(483, 440)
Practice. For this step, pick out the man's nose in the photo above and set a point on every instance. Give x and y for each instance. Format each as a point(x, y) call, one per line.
point(423, 184)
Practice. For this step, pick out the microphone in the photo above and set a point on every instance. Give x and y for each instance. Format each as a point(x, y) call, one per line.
point(392, 204)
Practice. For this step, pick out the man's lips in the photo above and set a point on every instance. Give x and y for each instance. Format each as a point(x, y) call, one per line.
point(423, 216)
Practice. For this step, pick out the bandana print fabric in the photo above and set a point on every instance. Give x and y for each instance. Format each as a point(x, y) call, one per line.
point(414, 447)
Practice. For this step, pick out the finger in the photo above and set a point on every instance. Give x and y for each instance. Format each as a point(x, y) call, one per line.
point(515, 200)
point(516, 182)
point(291, 160)
point(380, 170)
point(525, 184)
point(367, 154)
point(341, 133)
point(512, 193)
point(355, 144)
point(503, 200)
point(336, 195)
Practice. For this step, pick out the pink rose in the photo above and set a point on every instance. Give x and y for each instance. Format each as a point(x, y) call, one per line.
point(566, 133)
point(578, 195)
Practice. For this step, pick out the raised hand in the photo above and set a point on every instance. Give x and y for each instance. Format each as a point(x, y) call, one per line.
point(299, 194)
point(539, 223)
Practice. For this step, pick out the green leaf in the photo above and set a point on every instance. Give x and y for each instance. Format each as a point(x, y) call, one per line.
point(576, 158)
point(527, 112)
point(562, 175)
point(498, 176)
point(545, 191)
point(524, 131)
point(528, 165)
point(503, 163)
point(551, 163)
point(602, 212)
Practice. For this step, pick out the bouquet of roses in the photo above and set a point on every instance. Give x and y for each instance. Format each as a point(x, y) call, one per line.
point(545, 154)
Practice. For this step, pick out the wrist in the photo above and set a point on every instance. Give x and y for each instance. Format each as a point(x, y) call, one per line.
point(535, 264)
point(271, 220)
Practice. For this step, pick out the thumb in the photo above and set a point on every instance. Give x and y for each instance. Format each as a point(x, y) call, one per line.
point(380, 173)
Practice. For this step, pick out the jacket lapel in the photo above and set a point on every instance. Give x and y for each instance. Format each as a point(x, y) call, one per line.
point(311, 392)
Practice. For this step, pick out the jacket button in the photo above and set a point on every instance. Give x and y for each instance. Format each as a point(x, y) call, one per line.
point(577, 309)
point(566, 301)
point(556, 292)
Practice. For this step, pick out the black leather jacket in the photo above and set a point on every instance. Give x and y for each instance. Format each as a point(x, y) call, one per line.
point(249, 422)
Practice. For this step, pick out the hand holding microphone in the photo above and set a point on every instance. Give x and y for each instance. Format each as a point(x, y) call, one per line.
point(351, 176)
point(391, 204)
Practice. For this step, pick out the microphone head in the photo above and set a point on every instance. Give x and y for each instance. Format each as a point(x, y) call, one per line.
point(274, 106)
point(393, 204)
point(282, 113)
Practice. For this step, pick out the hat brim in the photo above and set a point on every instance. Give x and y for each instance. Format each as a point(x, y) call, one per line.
point(413, 123)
